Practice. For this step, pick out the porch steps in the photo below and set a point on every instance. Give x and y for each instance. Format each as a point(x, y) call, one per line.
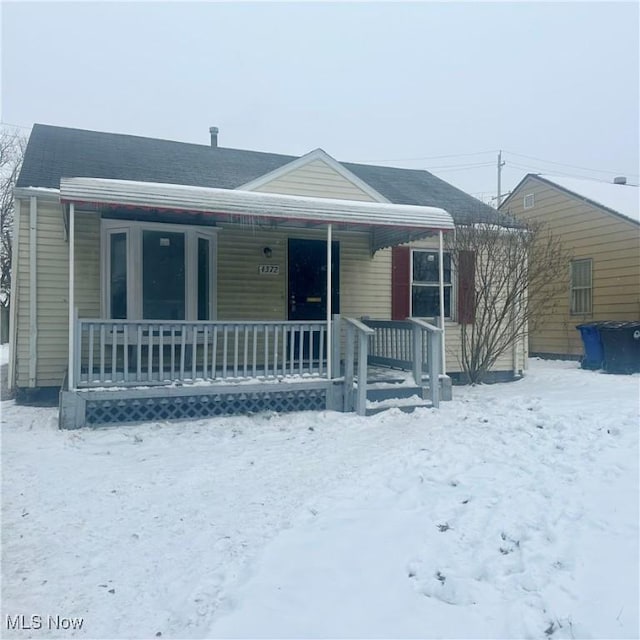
point(388, 390)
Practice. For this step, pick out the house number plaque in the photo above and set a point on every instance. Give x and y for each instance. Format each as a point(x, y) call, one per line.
point(269, 269)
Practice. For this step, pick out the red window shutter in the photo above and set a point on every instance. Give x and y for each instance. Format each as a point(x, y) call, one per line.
point(466, 286)
point(400, 282)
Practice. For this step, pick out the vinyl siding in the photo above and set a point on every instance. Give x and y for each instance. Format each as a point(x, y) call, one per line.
point(243, 294)
point(587, 231)
point(51, 295)
point(316, 179)
point(53, 288)
point(22, 293)
point(87, 271)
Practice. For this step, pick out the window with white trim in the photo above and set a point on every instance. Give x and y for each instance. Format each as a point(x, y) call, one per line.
point(425, 284)
point(528, 201)
point(581, 286)
point(158, 271)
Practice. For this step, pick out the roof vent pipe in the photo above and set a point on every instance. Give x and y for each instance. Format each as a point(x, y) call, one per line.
point(620, 180)
point(214, 136)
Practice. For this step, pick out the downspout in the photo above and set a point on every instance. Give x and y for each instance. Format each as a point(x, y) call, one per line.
point(13, 302)
point(33, 289)
point(441, 285)
point(329, 301)
point(72, 247)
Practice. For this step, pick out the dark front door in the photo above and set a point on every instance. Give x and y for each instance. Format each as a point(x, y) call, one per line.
point(308, 279)
point(308, 288)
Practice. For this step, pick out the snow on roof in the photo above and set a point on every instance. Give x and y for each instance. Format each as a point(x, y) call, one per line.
point(250, 203)
point(622, 198)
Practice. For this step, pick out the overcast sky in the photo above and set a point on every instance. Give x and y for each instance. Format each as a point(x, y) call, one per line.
point(390, 83)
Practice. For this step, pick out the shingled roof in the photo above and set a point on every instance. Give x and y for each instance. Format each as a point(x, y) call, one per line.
point(56, 152)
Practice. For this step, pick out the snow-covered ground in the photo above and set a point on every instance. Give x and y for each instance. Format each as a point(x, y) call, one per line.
point(4, 353)
point(512, 512)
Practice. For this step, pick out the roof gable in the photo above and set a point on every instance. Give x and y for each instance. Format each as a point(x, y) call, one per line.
point(621, 200)
point(338, 174)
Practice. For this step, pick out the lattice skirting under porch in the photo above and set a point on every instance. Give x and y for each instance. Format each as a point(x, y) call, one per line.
point(79, 409)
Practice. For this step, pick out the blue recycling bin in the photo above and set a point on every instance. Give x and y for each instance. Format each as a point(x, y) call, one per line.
point(592, 342)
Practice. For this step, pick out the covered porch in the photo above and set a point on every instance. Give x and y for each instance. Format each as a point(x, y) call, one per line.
point(145, 357)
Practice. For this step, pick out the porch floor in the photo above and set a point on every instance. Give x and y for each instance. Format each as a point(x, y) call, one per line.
point(203, 399)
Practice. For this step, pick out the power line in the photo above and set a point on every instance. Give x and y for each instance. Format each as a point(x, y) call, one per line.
point(530, 168)
point(514, 153)
point(564, 164)
point(459, 167)
point(453, 155)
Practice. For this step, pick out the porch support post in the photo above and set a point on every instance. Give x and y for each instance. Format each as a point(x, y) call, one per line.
point(72, 302)
point(329, 301)
point(443, 362)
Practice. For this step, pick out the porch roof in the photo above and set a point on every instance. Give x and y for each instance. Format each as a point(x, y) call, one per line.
point(389, 224)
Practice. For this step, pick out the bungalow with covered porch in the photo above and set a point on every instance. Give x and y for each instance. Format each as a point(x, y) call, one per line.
point(160, 280)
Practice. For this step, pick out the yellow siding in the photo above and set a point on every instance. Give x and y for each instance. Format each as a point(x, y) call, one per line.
point(22, 293)
point(52, 298)
point(316, 179)
point(243, 294)
point(52, 285)
point(612, 242)
point(87, 271)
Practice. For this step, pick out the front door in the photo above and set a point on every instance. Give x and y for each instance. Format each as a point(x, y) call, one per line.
point(308, 279)
point(308, 288)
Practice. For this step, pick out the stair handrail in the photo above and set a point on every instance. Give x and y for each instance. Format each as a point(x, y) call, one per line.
point(352, 327)
point(434, 351)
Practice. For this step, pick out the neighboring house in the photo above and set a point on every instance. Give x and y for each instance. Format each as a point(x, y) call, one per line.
point(599, 226)
point(200, 273)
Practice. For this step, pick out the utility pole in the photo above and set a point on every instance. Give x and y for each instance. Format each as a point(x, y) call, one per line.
point(500, 165)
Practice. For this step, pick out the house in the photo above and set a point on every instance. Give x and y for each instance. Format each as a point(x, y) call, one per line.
point(155, 278)
point(599, 226)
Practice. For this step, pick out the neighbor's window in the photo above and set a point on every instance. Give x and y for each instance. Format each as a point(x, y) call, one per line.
point(581, 286)
point(529, 201)
point(425, 288)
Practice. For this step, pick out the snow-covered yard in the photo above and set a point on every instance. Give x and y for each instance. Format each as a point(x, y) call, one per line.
point(512, 512)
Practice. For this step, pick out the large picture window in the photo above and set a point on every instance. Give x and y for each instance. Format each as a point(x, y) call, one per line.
point(581, 286)
point(158, 271)
point(425, 284)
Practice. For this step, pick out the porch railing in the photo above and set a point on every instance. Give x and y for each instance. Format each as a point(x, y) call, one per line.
point(356, 332)
point(412, 344)
point(132, 353)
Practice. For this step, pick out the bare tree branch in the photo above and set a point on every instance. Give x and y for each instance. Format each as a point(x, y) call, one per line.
point(515, 274)
point(12, 146)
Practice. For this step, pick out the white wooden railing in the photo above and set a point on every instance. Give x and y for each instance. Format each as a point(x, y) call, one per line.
point(133, 353)
point(357, 333)
point(126, 353)
point(412, 344)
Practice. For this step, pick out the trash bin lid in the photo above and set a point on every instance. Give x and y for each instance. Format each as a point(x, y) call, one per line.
point(616, 325)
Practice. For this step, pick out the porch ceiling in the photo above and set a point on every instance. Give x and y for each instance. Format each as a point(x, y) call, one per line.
point(389, 224)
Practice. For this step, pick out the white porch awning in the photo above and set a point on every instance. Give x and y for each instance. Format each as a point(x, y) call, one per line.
point(391, 224)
